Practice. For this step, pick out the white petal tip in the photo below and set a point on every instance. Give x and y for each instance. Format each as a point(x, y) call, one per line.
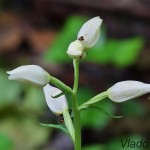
point(8, 72)
point(90, 32)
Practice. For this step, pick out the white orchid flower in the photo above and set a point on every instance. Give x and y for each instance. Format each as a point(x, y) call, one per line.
point(75, 49)
point(90, 32)
point(30, 73)
point(87, 37)
point(57, 105)
point(125, 90)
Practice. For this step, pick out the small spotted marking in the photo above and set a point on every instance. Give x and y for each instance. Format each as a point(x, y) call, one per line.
point(81, 38)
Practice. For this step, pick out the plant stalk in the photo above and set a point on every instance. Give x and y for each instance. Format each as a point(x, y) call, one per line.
point(68, 123)
point(94, 100)
point(77, 122)
point(60, 85)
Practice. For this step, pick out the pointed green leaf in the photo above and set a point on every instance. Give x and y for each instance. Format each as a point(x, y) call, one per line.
point(60, 127)
point(69, 124)
point(104, 111)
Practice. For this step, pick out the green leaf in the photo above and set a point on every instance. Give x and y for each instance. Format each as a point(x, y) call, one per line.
point(104, 111)
point(128, 51)
point(60, 127)
point(91, 118)
point(69, 124)
point(6, 143)
point(119, 52)
point(103, 53)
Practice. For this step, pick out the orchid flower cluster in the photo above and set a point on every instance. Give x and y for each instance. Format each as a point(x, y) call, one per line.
point(55, 96)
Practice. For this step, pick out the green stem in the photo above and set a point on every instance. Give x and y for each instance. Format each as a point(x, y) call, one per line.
point(94, 100)
point(77, 122)
point(68, 123)
point(60, 85)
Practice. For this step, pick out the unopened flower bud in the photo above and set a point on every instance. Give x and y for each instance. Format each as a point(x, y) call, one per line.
point(30, 73)
point(125, 90)
point(57, 105)
point(90, 32)
point(75, 49)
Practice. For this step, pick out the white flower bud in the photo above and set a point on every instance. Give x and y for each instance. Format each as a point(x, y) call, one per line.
point(31, 74)
point(57, 105)
point(90, 32)
point(125, 90)
point(75, 49)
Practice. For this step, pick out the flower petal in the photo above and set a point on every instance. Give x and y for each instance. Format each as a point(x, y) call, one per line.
point(126, 90)
point(75, 49)
point(30, 73)
point(90, 32)
point(56, 105)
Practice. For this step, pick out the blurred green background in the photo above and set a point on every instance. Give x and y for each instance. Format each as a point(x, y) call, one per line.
point(39, 32)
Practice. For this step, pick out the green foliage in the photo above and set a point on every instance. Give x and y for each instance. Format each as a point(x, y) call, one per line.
point(6, 143)
point(34, 100)
point(84, 94)
point(97, 120)
point(20, 106)
point(132, 108)
point(25, 132)
point(118, 52)
point(102, 110)
point(60, 127)
point(128, 51)
point(92, 118)
point(9, 91)
point(121, 53)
